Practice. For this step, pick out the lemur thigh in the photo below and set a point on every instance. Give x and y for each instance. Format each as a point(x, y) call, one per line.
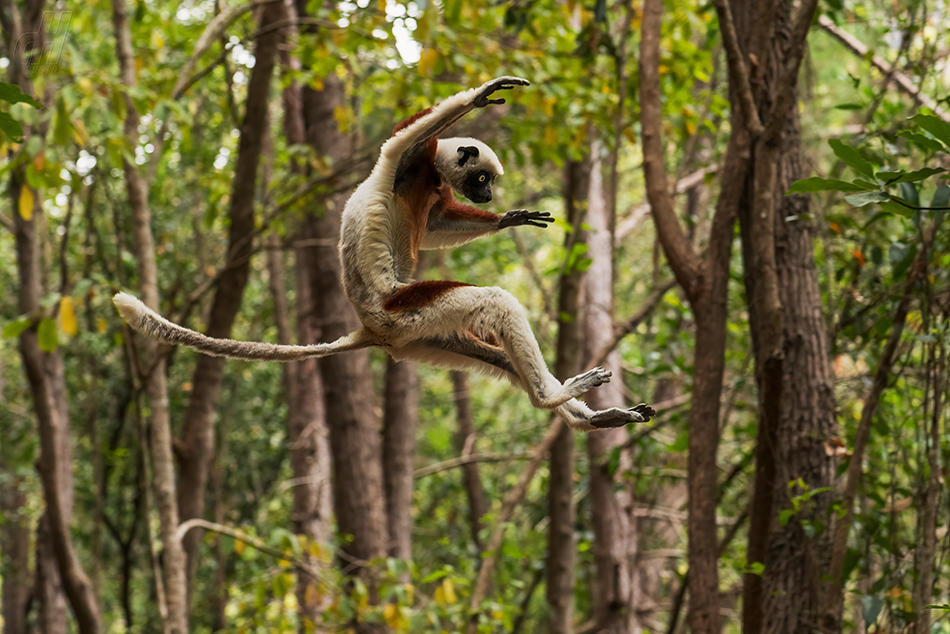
point(466, 352)
point(461, 309)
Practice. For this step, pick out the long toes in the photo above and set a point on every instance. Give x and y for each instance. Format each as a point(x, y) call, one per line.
point(644, 411)
point(598, 376)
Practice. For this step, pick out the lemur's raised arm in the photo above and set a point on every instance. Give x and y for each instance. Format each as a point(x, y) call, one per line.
point(406, 204)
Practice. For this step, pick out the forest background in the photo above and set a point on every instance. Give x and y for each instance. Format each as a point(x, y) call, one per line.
point(792, 337)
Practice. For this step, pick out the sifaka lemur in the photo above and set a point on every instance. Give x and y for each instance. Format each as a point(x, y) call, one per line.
point(405, 205)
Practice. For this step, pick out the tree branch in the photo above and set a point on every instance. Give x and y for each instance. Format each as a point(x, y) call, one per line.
point(514, 497)
point(737, 67)
point(679, 252)
point(460, 461)
point(904, 83)
point(788, 84)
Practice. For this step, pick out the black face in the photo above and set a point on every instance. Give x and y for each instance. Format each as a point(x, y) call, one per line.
point(477, 187)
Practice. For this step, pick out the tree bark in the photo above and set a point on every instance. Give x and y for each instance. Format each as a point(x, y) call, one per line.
point(614, 527)
point(358, 492)
point(706, 286)
point(15, 545)
point(151, 368)
point(400, 418)
point(196, 449)
point(478, 504)
point(307, 418)
point(561, 546)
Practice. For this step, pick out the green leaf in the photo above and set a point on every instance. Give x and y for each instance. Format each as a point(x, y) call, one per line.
point(849, 106)
point(921, 141)
point(866, 198)
point(11, 94)
point(48, 337)
point(936, 126)
point(11, 127)
point(785, 515)
point(919, 175)
point(870, 609)
point(941, 200)
point(851, 157)
point(815, 184)
point(756, 568)
point(909, 193)
point(14, 328)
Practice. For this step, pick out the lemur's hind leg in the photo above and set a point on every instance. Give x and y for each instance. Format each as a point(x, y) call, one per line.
point(469, 352)
point(448, 309)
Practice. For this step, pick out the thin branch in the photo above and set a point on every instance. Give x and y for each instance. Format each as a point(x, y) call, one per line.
point(6, 223)
point(244, 538)
point(636, 213)
point(737, 67)
point(514, 497)
point(907, 85)
point(650, 303)
point(788, 84)
point(460, 461)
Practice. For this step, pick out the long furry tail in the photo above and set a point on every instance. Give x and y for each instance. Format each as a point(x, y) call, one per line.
point(146, 321)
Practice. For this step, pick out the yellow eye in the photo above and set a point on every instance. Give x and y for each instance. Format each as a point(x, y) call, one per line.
point(481, 179)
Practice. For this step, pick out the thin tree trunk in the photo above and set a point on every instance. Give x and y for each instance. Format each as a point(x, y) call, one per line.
point(354, 428)
point(927, 518)
point(400, 418)
point(465, 444)
point(151, 364)
point(196, 449)
point(561, 547)
point(706, 286)
point(15, 545)
point(306, 416)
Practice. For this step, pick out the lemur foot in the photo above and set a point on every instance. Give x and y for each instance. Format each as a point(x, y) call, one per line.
point(615, 417)
point(518, 217)
point(584, 382)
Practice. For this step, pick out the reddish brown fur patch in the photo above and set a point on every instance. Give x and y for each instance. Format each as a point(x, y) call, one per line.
point(455, 210)
point(419, 190)
point(412, 119)
point(420, 294)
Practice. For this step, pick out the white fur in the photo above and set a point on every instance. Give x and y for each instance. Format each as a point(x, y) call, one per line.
point(377, 243)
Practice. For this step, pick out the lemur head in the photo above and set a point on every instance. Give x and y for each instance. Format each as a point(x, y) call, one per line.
point(469, 166)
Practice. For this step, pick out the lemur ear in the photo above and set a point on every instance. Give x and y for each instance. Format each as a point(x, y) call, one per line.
point(467, 152)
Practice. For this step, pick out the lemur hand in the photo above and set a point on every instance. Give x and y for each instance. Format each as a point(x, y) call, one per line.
point(518, 217)
point(645, 411)
point(502, 83)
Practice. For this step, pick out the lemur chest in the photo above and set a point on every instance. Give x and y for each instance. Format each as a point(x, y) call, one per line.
point(414, 210)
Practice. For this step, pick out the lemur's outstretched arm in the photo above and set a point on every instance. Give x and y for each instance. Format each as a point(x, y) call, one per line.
point(459, 223)
point(413, 135)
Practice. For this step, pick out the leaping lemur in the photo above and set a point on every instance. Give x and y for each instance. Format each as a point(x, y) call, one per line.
point(405, 205)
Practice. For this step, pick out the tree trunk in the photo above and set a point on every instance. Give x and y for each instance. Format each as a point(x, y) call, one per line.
point(400, 418)
point(354, 428)
point(306, 415)
point(196, 449)
point(706, 285)
point(151, 367)
point(478, 504)
point(561, 546)
point(15, 545)
point(614, 531)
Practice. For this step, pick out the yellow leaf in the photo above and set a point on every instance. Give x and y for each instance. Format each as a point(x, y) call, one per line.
point(317, 84)
point(79, 132)
point(85, 84)
point(26, 203)
point(630, 134)
point(410, 592)
point(39, 161)
point(550, 136)
point(238, 547)
point(67, 316)
point(448, 592)
point(283, 563)
point(342, 119)
point(548, 106)
point(102, 326)
point(139, 65)
point(427, 60)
